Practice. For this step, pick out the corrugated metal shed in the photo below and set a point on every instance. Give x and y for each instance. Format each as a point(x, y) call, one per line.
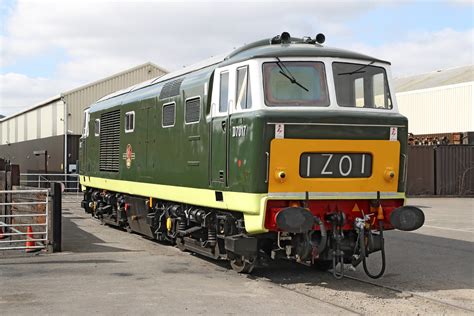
point(434, 79)
point(46, 119)
point(79, 99)
point(438, 102)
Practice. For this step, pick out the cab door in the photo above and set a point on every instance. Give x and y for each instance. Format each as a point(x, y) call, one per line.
point(220, 131)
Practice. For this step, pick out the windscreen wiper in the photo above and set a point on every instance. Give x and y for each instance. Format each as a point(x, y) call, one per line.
point(286, 72)
point(357, 71)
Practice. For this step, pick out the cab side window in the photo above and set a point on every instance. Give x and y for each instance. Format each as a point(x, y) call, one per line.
point(129, 122)
point(97, 127)
point(243, 97)
point(224, 92)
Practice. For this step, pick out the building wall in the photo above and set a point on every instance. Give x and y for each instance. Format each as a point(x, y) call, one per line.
point(78, 100)
point(41, 122)
point(22, 153)
point(443, 109)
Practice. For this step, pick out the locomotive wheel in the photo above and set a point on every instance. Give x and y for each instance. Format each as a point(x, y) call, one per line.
point(180, 244)
point(322, 265)
point(242, 265)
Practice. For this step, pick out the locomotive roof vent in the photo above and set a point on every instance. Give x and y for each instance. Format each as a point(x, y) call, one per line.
point(285, 38)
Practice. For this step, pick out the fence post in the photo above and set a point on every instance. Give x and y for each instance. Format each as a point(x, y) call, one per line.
point(56, 213)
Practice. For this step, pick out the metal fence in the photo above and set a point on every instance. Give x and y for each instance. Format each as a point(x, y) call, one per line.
point(441, 170)
point(24, 220)
point(69, 182)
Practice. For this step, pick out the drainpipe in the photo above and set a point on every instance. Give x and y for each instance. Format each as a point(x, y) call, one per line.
point(66, 116)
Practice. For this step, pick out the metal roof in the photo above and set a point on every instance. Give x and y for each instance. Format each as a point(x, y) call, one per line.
point(37, 105)
point(200, 65)
point(95, 83)
point(263, 48)
point(294, 49)
point(434, 79)
point(115, 75)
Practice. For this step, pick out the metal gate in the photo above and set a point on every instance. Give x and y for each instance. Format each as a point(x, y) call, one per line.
point(24, 219)
point(70, 181)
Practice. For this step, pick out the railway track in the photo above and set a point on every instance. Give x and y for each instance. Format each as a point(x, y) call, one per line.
point(403, 293)
point(410, 294)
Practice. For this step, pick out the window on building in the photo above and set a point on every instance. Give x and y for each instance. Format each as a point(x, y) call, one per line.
point(244, 98)
point(129, 122)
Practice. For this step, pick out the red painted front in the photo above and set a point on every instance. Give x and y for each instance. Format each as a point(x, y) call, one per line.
point(321, 208)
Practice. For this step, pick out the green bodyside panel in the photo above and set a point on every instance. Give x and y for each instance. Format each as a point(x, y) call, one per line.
point(177, 155)
point(219, 152)
point(248, 159)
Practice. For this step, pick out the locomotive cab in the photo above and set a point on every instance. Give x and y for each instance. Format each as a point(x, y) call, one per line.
point(325, 134)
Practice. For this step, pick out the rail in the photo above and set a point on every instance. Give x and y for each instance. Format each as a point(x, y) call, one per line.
point(69, 182)
point(19, 226)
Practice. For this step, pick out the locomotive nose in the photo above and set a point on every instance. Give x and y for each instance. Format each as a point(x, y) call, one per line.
point(407, 218)
point(295, 220)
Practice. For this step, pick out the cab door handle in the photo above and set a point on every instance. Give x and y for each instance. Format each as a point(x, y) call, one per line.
point(223, 123)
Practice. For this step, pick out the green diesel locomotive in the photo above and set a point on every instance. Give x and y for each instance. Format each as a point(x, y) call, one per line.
point(283, 148)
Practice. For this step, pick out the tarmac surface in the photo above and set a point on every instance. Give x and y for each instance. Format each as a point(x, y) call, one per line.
point(103, 270)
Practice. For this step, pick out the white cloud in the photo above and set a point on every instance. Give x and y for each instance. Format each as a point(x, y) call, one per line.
point(19, 91)
point(425, 52)
point(104, 37)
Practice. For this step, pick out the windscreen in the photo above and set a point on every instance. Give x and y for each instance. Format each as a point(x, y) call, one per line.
point(295, 84)
point(361, 86)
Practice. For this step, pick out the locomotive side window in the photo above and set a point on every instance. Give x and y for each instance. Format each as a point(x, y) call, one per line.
point(85, 127)
point(97, 127)
point(192, 110)
point(129, 122)
point(361, 86)
point(224, 92)
point(244, 97)
point(169, 114)
point(295, 84)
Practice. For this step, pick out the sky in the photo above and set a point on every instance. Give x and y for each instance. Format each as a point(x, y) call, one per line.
point(48, 47)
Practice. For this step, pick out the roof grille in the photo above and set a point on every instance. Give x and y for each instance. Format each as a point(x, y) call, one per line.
point(109, 141)
point(171, 89)
point(193, 110)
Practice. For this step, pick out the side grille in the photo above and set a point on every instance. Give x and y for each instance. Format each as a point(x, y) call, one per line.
point(193, 110)
point(109, 141)
point(171, 89)
point(168, 114)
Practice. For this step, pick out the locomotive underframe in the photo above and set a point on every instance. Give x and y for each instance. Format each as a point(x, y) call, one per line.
point(220, 234)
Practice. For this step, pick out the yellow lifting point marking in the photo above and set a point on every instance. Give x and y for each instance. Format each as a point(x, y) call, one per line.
point(169, 224)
